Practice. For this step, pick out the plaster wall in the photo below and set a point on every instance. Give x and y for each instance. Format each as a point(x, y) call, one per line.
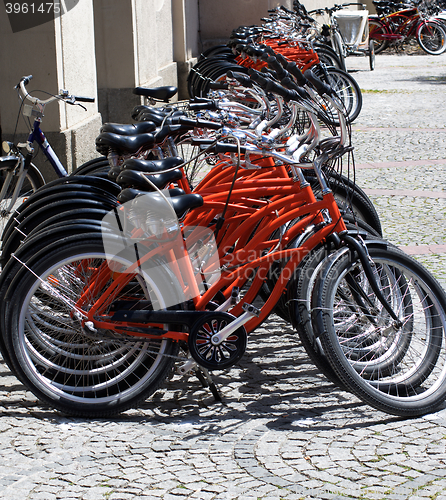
point(134, 41)
point(60, 55)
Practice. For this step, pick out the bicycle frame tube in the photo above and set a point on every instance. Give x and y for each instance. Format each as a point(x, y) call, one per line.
point(401, 30)
point(38, 136)
point(260, 263)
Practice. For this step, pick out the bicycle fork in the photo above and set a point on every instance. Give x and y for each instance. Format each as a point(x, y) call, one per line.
point(22, 169)
point(367, 264)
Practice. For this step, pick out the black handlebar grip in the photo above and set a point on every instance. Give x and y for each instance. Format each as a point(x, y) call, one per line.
point(282, 59)
point(286, 10)
point(26, 79)
point(274, 64)
point(288, 95)
point(222, 147)
point(290, 85)
point(83, 99)
point(203, 143)
point(218, 85)
point(253, 51)
point(203, 105)
point(200, 123)
point(297, 73)
point(272, 86)
point(267, 48)
point(201, 99)
point(321, 87)
point(241, 78)
point(258, 78)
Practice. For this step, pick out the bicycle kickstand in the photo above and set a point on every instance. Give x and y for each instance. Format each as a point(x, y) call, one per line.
point(205, 378)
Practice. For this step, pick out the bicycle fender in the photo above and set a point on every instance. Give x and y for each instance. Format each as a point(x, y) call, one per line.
point(8, 162)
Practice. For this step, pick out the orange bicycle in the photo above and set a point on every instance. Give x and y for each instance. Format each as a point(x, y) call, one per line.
point(98, 321)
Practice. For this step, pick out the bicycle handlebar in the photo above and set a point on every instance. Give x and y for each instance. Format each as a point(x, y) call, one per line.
point(63, 95)
point(25, 80)
point(83, 99)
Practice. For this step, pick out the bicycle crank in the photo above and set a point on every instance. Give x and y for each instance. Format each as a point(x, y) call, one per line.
point(218, 341)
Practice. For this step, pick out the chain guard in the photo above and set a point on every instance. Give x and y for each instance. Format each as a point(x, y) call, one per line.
point(216, 357)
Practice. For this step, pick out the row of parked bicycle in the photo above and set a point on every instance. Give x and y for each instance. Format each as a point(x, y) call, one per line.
point(197, 222)
point(322, 39)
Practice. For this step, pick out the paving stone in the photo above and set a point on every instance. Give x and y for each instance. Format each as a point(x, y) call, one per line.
point(284, 431)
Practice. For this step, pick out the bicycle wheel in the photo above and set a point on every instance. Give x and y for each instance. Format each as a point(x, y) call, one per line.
point(298, 300)
point(371, 54)
point(397, 367)
point(216, 50)
point(338, 47)
point(218, 74)
point(431, 37)
point(18, 232)
point(77, 372)
point(31, 249)
point(377, 32)
point(87, 182)
point(328, 56)
point(55, 203)
point(32, 182)
point(95, 165)
point(345, 87)
point(351, 199)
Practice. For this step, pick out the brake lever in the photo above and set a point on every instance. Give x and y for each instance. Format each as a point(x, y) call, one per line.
point(73, 102)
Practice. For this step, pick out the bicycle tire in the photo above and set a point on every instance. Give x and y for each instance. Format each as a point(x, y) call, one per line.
point(298, 299)
point(67, 369)
point(338, 47)
point(299, 309)
point(95, 165)
point(376, 32)
point(199, 74)
point(57, 201)
point(431, 37)
point(219, 74)
point(107, 186)
point(371, 54)
point(56, 209)
point(216, 50)
point(65, 191)
point(350, 197)
point(282, 308)
point(346, 89)
point(87, 180)
point(31, 249)
point(327, 55)
point(417, 383)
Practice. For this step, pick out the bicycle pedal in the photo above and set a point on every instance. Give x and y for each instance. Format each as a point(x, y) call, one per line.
point(249, 308)
point(235, 295)
point(186, 367)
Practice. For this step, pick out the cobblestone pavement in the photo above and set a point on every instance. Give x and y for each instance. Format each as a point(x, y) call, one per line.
point(283, 431)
